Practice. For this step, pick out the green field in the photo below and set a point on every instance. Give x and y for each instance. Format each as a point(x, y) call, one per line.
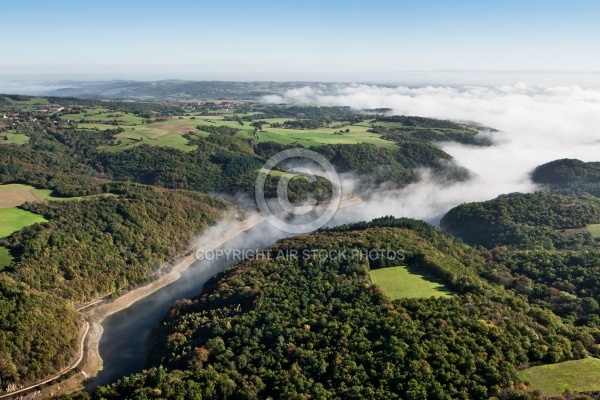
point(594, 230)
point(14, 219)
point(5, 258)
point(13, 137)
point(32, 104)
point(169, 134)
point(554, 379)
point(105, 115)
point(152, 135)
point(404, 282)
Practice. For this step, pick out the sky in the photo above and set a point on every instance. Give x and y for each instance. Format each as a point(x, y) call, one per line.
point(293, 40)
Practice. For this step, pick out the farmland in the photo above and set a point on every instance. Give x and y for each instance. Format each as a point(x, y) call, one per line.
point(594, 230)
point(14, 219)
point(170, 133)
point(404, 282)
point(13, 137)
point(13, 195)
point(554, 379)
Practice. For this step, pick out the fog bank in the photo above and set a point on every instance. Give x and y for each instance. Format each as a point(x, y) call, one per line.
point(538, 124)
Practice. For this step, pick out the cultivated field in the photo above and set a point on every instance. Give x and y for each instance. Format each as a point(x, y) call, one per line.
point(404, 282)
point(554, 379)
point(14, 219)
point(13, 195)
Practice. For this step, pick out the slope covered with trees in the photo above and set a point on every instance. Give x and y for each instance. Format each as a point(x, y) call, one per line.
point(89, 248)
point(316, 327)
point(569, 175)
point(537, 220)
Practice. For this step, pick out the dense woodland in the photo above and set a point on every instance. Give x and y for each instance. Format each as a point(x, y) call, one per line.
point(526, 221)
point(525, 283)
point(90, 248)
point(102, 245)
point(299, 328)
point(569, 176)
point(95, 247)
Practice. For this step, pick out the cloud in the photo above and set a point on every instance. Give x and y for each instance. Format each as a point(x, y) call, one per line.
point(538, 124)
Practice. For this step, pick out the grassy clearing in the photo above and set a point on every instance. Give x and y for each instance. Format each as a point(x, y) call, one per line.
point(594, 230)
point(554, 379)
point(105, 115)
point(15, 194)
point(13, 137)
point(14, 219)
point(312, 138)
point(27, 105)
point(405, 282)
point(162, 135)
point(5, 258)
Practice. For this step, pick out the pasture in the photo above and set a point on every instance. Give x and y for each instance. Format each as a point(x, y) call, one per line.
point(13, 137)
point(158, 134)
point(15, 194)
point(14, 219)
point(594, 230)
point(170, 134)
point(23, 105)
point(554, 379)
point(405, 282)
point(104, 115)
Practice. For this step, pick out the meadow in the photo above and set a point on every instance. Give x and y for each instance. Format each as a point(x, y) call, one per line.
point(13, 137)
point(104, 115)
point(15, 194)
point(405, 282)
point(14, 219)
point(594, 230)
point(24, 105)
point(170, 133)
point(554, 379)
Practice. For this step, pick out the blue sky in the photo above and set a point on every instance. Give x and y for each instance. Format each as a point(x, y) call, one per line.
point(294, 39)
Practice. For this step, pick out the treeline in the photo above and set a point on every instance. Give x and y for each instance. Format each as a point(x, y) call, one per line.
point(290, 328)
point(525, 221)
point(95, 247)
point(89, 248)
point(412, 121)
point(569, 176)
point(219, 130)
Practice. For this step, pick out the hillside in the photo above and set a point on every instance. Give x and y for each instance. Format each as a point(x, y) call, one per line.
point(525, 221)
point(315, 326)
point(569, 176)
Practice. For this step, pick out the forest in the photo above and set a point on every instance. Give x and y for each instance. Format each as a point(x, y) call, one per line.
point(299, 328)
point(569, 176)
point(89, 248)
point(521, 269)
point(123, 231)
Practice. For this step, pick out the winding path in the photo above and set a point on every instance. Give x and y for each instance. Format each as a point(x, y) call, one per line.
point(63, 372)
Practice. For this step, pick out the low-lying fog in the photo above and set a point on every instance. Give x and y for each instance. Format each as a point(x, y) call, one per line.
point(538, 124)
